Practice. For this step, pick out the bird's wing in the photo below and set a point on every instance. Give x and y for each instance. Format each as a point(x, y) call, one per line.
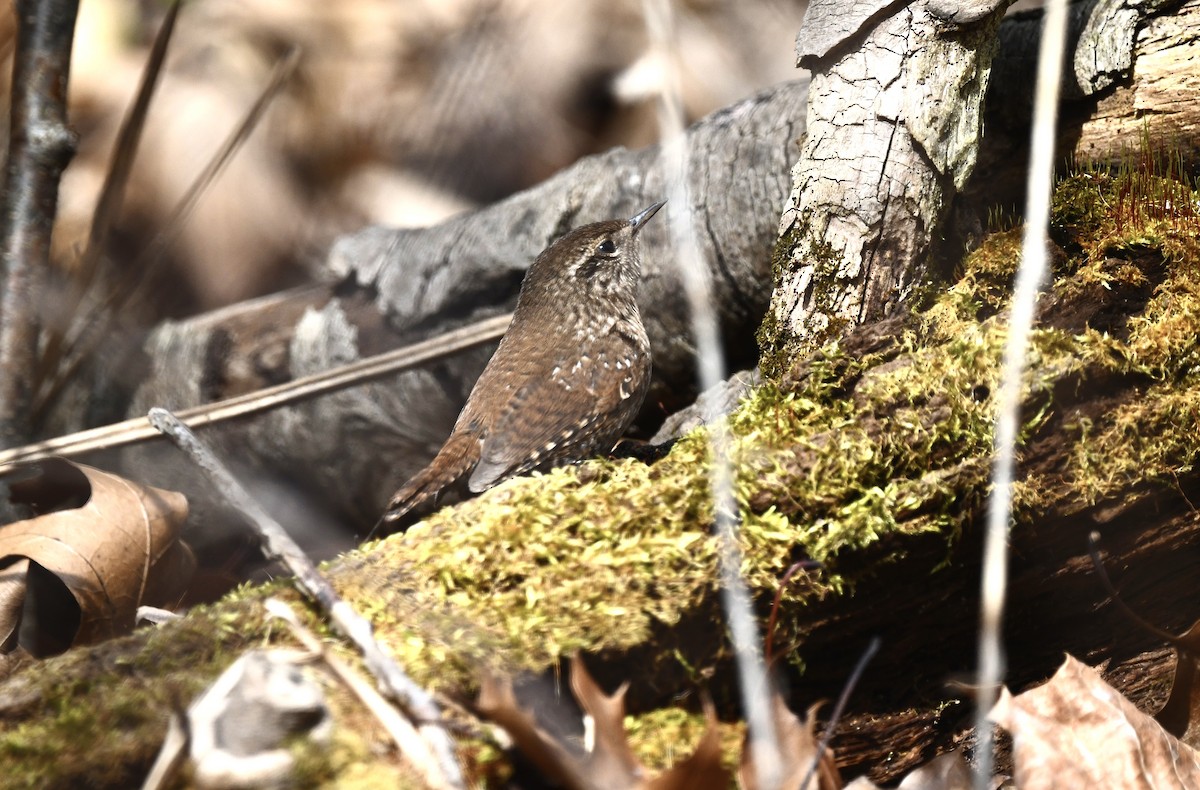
point(559, 416)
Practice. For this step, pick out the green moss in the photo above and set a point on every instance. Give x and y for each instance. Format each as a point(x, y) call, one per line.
point(114, 699)
point(1138, 444)
point(662, 738)
point(599, 556)
point(829, 461)
point(777, 342)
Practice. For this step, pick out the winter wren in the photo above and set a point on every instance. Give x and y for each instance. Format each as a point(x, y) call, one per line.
point(569, 375)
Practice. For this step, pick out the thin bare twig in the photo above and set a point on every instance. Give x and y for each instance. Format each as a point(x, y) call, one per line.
point(138, 430)
point(112, 194)
point(40, 146)
point(400, 729)
point(138, 274)
point(696, 277)
point(278, 545)
point(994, 577)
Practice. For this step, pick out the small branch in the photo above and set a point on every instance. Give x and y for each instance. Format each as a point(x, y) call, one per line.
point(40, 146)
point(135, 278)
point(138, 430)
point(278, 546)
point(401, 731)
point(112, 195)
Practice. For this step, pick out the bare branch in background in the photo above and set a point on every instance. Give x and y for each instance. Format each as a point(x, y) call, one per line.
point(61, 362)
point(111, 198)
point(40, 146)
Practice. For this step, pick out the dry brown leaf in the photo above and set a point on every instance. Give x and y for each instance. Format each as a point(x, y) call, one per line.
point(611, 764)
point(1077, 731)
point(100, 547)
point(798, 744)
point(498, 703)
point(703, 769)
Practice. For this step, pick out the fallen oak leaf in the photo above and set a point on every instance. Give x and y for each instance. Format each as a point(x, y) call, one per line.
point(1075, 730)
point(798, 745)
point(38, 615)
point(608, 763)
point(498, 703)
point(1180, 714)
point(100, 547)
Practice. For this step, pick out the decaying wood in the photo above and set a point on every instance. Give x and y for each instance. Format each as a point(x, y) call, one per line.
point(886, 153)
point(248, 346)
point(401, 286)
point(894, 125)
point(388, 363)
point(1125, 76)
point(903, 709)
point(927, 620)
point(345, 619)
point(1055, 604)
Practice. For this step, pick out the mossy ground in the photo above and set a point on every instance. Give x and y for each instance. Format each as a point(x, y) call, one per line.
point(112, 701)
point(603, 556)
point(848, 449)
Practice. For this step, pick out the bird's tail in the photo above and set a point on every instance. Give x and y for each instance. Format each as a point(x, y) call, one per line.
point(457, 456)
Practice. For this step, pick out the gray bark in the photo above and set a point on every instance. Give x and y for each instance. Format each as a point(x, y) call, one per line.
point(894, 131)
point(395, 286)
point(894, 124)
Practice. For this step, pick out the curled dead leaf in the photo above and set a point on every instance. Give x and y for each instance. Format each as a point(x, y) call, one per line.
point(1075, 730)
point(99, 547)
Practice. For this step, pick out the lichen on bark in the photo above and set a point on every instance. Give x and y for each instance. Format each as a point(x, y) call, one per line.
point(894, 123)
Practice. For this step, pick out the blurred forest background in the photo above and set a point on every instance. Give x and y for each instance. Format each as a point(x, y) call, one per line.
point(401, 112)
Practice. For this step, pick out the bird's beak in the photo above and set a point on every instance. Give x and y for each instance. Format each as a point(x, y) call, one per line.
point(642, 217)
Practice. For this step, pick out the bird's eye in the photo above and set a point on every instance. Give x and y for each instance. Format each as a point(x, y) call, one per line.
point(607, 247)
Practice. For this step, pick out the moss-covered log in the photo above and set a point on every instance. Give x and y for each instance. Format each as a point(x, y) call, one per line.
point(872, 458)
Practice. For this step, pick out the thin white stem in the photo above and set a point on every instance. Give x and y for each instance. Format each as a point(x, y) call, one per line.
point(697, 284)
point(1008, 400)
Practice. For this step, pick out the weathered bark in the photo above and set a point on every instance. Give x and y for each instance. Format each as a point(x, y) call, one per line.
point(886, 155)
point(397, 286)
point(927, 619)
point(1126, 67)
point(894, 123)
point(401, 422)
point(917, 591)
point(911, 704)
